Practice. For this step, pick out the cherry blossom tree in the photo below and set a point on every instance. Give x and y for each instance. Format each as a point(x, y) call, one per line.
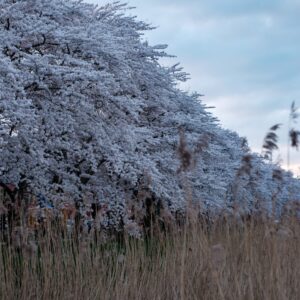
point(87, 113)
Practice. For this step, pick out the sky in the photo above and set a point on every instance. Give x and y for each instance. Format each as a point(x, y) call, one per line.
point(244, 56)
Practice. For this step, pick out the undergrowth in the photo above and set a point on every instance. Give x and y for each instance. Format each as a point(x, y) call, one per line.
point(228, 258)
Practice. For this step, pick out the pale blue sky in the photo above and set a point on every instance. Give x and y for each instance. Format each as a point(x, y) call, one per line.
point(243, 55)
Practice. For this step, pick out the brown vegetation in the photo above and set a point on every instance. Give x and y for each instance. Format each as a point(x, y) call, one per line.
point(225, 259)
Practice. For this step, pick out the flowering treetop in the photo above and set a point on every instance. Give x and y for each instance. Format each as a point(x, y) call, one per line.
point(87, 113)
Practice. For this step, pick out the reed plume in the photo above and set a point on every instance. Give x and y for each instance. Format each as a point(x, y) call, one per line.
point(293, 136)
point(270, 142)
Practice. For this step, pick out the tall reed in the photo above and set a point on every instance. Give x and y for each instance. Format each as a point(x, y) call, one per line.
point(223, 259)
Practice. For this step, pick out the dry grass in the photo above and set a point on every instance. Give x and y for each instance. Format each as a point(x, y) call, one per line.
point(255, 259)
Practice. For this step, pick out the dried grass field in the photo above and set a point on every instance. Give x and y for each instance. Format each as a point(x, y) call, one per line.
point(226, 259)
